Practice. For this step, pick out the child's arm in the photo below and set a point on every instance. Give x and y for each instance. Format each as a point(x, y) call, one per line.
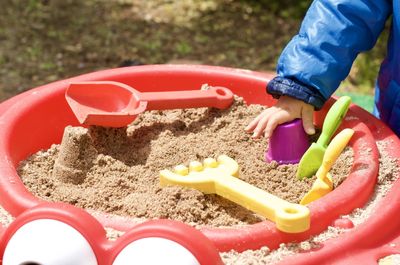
point(316, 60)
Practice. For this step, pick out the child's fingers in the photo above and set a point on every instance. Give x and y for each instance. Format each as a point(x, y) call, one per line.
point(307, 117)
point(276, 119)
point(252, 125)
point(262, 123)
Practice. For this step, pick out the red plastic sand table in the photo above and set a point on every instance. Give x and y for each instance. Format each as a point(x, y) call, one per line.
point(36, 119)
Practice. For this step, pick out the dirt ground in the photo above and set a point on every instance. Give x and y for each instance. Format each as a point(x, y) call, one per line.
point(43, 41)
point(46, 40)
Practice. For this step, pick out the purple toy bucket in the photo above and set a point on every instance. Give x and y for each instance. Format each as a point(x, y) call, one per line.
point(288, 143)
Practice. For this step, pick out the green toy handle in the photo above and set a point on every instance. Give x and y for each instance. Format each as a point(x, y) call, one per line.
point(333, 119)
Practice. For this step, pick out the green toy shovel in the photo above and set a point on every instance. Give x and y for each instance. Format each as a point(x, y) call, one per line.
point(312, 158)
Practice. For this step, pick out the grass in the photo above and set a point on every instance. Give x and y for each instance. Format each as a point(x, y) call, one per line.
point(42, 41)
point(363, 100)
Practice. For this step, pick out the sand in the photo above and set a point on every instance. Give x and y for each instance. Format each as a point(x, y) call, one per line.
point(117, 171)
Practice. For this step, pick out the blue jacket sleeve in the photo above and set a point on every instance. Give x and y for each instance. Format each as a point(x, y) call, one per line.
point(331, 35)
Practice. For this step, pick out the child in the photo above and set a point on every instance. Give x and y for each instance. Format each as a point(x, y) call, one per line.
point(316, 60)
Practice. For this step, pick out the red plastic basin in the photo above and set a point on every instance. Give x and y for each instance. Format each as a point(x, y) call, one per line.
point(36, 119)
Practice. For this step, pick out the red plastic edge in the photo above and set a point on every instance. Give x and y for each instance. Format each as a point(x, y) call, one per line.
point(379, 235)
point(54, 113)
point(190, 238)
point(106, 251)
point(80, 220)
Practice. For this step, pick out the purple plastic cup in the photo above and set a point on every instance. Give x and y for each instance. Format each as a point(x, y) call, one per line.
point(288, 143)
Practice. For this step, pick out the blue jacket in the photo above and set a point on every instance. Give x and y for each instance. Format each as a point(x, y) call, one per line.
point(332, 34)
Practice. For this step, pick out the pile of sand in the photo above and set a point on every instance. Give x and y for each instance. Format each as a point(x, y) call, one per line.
point(117, 170)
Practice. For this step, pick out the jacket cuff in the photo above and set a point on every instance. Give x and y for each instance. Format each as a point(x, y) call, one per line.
point(279, 86)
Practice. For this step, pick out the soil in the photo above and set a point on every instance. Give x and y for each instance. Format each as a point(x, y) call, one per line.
point(117, 170)
point(44, 41)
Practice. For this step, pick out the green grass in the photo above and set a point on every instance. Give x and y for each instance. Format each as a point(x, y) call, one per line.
point(363, 100)
point(43, 41)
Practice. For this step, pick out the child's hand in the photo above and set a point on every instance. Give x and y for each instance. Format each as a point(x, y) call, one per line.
point(285, 110)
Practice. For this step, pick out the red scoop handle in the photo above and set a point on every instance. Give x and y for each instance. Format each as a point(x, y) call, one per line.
point(218, 97)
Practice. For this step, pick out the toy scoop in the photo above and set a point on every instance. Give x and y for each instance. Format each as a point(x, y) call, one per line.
point(114, 104)
point(323, 184)
point(312, 158)
point(220, 177)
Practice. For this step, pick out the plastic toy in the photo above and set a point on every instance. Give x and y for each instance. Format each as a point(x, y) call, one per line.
point(288, 143)
point(377, 237)
point(116, 104)
point(60, 234)
point(323, 184)
point(221, 177)
point(312, 159)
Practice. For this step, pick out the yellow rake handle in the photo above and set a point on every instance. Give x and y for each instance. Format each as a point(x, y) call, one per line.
point(214, 177)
